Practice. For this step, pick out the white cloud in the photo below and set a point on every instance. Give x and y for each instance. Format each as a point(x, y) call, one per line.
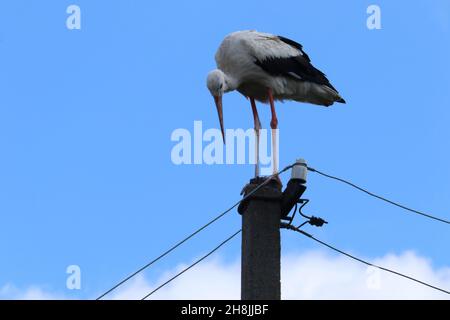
point(11, 292)
point(209, 280)
point(315, 275)
point(310, 275)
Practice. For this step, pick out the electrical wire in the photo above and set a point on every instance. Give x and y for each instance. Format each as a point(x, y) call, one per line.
point(290, 227)
point(379, 197)
point(268, 179)
point(193, 264)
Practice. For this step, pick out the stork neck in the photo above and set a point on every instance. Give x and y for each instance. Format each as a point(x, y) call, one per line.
point(230, 83)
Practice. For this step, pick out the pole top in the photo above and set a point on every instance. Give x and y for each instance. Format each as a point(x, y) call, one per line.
point(270, 192)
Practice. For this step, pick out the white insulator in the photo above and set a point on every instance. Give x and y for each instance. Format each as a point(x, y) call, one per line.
point(299, 170)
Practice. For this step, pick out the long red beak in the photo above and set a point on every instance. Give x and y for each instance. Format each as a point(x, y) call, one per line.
point(218, 101)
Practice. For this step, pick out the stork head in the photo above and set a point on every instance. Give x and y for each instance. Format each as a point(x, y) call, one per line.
point(217, 85)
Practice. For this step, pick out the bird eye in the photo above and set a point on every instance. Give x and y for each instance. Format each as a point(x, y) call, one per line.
point(221, 86)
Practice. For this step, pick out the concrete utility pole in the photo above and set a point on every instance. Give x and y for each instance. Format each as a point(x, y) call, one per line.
point(261, 247)
point(260, 264)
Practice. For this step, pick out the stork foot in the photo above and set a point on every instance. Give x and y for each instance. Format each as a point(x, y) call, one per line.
point(271, 183)
point(276, 179)
point(274, 182)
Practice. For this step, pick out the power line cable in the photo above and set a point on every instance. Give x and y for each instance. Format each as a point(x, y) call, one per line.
point(268, 179)
point(193, 264)
point(379, 197)
point(290, 227)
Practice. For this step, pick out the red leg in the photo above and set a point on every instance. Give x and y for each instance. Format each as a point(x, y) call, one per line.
point(274, 121)
point(274, 127)
point(257, 132)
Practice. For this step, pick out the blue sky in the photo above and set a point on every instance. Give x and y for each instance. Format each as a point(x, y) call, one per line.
point(86, 117)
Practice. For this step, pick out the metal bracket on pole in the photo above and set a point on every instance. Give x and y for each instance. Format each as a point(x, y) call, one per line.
point(295, 188)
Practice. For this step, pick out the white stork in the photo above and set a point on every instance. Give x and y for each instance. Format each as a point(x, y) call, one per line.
point(266, 67)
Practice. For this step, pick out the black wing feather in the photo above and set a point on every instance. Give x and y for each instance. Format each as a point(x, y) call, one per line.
point(296, 45)
point(296, 65)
